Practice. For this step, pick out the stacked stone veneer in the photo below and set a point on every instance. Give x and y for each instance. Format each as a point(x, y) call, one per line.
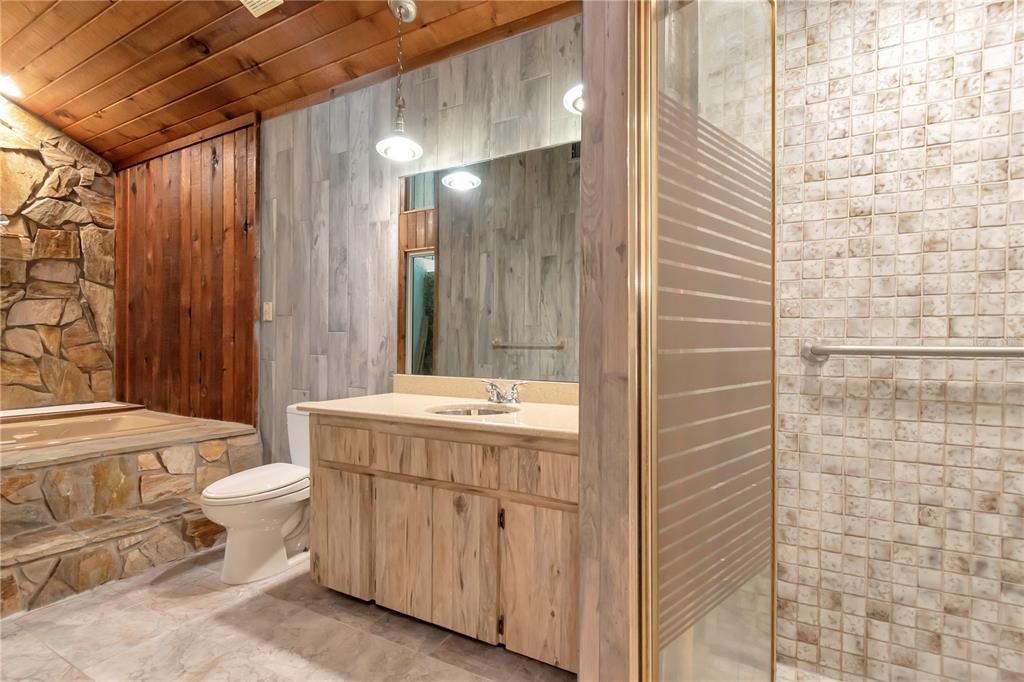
point(70, 527)
point(56, 267)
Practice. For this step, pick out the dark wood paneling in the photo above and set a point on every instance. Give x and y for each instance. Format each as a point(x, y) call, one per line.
point(186, 279)
point(126, 76)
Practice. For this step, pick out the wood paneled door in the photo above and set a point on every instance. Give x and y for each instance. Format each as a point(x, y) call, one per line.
point(186, 279)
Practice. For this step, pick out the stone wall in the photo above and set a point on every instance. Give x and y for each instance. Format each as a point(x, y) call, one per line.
point(56, 266)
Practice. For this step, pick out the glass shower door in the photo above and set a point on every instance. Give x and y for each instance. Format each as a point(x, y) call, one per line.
point(711, 500)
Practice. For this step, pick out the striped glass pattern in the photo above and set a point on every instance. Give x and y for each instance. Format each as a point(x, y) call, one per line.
point(714, 340)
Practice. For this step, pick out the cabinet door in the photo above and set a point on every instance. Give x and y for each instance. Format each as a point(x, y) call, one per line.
point(538, 583)
point(403, 541)
point(465, 564)
point(341, 531)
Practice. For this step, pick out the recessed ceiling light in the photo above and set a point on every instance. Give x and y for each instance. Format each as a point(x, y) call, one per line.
point(573, 99)
point(9, 87)
point(461, 181)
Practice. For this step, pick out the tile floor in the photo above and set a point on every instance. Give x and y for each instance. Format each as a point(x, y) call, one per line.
point(179, 622)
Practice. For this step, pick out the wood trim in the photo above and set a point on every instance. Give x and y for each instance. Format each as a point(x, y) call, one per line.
point(508, 495)
point(120, 407)
point(213, 131)
point(614, 132)
point(495, 34)
point(451, 433)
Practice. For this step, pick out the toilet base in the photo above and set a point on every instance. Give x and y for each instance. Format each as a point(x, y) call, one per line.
point(253, 554)
point(262, 536)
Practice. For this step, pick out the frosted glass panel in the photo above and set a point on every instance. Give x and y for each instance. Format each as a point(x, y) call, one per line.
point(714, 341)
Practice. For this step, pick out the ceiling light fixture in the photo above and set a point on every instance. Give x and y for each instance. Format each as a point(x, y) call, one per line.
point(9, 87)
point(573, 99)
point(461, 181)
point(399, 146)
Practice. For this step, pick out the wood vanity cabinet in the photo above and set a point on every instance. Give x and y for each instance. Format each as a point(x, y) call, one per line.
point(478, 537)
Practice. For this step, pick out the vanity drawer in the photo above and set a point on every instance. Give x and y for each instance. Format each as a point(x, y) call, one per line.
point(462, 463)
point(340, 444)
point(540, 473)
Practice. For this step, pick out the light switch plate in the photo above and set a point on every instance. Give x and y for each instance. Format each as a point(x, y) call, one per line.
point(268, 311)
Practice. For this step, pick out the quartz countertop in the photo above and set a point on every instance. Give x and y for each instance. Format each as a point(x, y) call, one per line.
point(529, 419)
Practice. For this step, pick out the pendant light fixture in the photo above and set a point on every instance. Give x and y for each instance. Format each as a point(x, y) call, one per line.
point(399, 146)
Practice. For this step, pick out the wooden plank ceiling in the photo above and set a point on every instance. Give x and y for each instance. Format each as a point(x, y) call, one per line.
point(125, 76)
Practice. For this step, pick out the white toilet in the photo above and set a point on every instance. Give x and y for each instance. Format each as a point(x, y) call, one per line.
point(265, 510)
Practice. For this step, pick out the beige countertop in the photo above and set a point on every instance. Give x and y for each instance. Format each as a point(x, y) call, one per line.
point(529, 419)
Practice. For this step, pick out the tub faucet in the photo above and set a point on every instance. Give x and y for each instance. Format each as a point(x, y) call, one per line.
point(495, 394)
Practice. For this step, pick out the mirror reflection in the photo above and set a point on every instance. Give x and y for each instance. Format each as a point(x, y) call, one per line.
point(489, 268)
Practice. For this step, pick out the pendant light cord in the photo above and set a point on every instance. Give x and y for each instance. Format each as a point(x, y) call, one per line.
point(399, 100)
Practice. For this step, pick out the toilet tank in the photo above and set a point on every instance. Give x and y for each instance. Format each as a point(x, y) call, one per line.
point(298, 435)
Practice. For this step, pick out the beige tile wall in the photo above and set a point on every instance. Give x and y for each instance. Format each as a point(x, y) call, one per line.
point(900, 173)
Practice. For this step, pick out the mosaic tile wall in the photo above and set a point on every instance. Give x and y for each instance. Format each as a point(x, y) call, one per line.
point(901, 220)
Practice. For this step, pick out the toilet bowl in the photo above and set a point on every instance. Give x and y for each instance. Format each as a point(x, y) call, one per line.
point(265, 510)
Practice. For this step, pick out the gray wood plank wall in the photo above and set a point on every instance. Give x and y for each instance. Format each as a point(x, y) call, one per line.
point(329, 206)
point(508, 267)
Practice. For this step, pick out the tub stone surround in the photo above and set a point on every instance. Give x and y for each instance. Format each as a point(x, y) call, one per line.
point(68, 527)
point(56, 266)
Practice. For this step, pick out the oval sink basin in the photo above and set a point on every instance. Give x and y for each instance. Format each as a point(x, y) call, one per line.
point(474, 410)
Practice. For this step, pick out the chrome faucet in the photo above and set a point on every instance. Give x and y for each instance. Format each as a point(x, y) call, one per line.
point(495, 394)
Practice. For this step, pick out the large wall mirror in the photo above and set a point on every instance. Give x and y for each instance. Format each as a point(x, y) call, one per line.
point(489, 268)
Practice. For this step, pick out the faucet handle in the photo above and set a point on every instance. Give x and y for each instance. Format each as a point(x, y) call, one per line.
point(493, 390)
point(513, 391)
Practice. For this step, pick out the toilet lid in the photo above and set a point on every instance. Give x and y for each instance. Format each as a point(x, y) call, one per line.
point(278, 478)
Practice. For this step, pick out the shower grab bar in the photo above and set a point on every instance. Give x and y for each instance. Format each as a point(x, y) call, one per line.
point(817, 353)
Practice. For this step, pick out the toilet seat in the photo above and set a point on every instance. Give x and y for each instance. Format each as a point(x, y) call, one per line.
point(265, 482)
